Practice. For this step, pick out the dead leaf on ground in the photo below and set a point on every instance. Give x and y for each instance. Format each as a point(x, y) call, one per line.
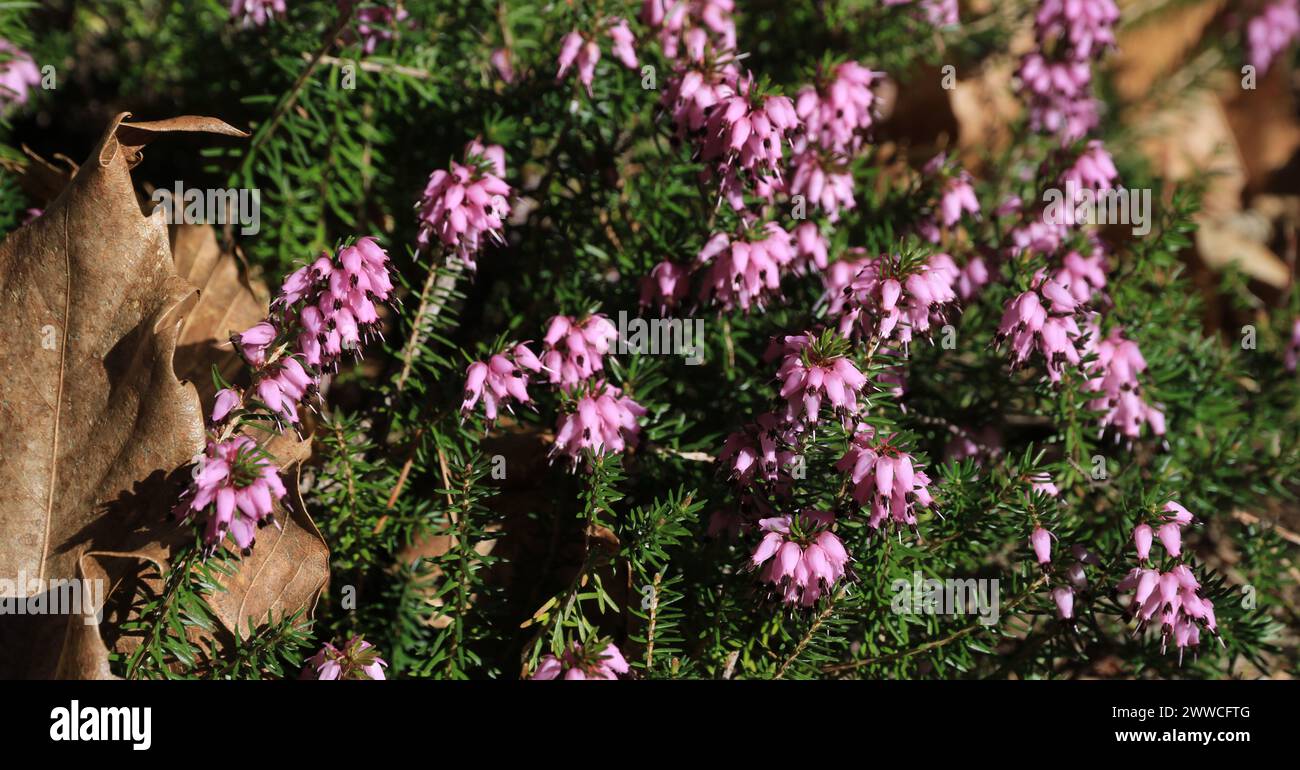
point(228, 303)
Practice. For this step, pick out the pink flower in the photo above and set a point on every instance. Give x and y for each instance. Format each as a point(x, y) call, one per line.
point(1064, 598)
point(500, 60)
point(1114, 377)
point(234, 487)
point(225, 401)
point(603, 420)
point(803, 557)
point(1270, 32)
point(824, 181)
point(255, 13)
point(623, 42)
point(810, 374)
point(838, 111)
point(745, 273)
point(666, 286)
point(761, 450)
point(378, 23)
point(357, 660)
point(883, 301)
point(885, 478)
point(499, 380)
point(693, 25)
point(1142, 537)
point(939, 13)
point(463, 206)
point(573, 351)
point(18, 73)
point(1042, 319)
point(254, 341)
point(1041, 540)
point(743, 138)
point(592, 661)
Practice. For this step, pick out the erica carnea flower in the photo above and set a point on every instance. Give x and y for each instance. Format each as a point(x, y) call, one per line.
point(1042, 320)
point(743, 138)
point(746, 271)
point(1172, 596)
point(591, 661)
point(602, 420)
point(1057, 75)
point(18, 73)
point(800, 556)
point(574, 350)
point(939, 13)
point(691, 26)
point(838, 111)
point(466, 204)
point(814, 371)
point(358, 659)
point(892, 297)
point(575, 48)
point(1271, 31)
point(760, 450)
point(380, 23)
point(666, 286)
point(499, 380)
point(233, 490)
point(255, 13)
point(1114, 376)
point(1292, 354)
point(1041, 541)
point(885, 479)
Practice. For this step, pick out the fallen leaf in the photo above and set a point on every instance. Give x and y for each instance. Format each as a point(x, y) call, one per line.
point(90, 403)
point(228, 302)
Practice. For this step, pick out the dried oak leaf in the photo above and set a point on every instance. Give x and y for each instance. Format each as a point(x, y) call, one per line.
point(95, 427)
point(228, 303)
point(90, 404)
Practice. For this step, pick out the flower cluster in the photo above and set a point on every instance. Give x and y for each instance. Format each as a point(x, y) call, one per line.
point(744, 273)
point(1271, 31)
point(1042, 319)
point(1057, 74)
point(463, 205)
point(812, 372)
point(743, 138)
point(691, 25)
point(255, 13)
point(885, 478)
point(1114, 376)
point(321, 310)
point(800, 556)
point(888, 298)
point(761, 450)
point(602, 420)
point(574, 351)
point(939, 13)
point(1173, 593)
point(18, 73)
point(357, 660)
point(234, 489)
point(379, 24)
point(585, 52)
point(500, 379)
point(591, 661)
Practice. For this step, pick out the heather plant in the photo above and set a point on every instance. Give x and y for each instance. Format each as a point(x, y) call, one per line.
point(913, 373)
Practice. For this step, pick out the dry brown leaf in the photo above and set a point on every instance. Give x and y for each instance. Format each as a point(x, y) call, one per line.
point(91, 406)
point(227, 303)
point(1155, 46)
point(95, 429)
